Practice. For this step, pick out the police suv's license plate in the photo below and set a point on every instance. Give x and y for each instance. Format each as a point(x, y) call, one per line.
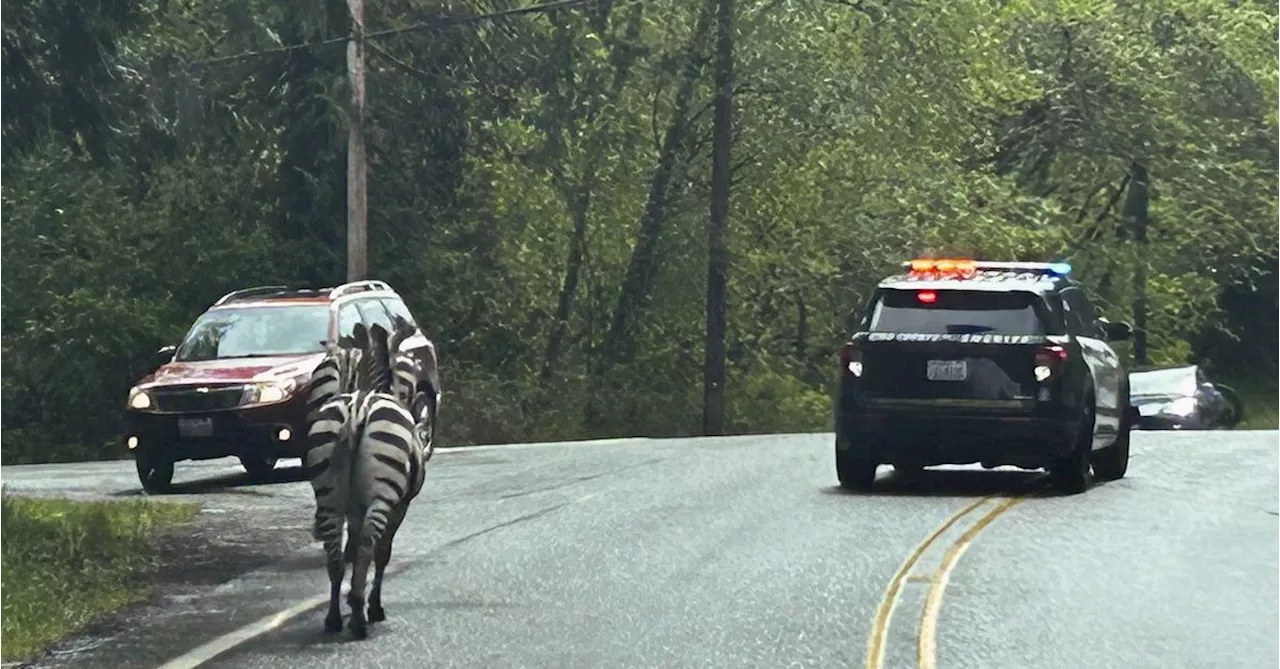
point(947, 370)
point(195, 427)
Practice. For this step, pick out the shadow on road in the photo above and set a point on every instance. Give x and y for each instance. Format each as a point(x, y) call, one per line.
point(227, 483)
point(953, 483)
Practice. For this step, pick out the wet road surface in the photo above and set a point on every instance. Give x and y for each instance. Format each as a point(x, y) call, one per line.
point(741, 552)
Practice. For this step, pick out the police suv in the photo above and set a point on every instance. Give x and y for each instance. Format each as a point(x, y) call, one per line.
point(998, 363)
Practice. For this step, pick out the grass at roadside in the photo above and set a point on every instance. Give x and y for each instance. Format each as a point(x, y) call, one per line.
point(1260, 399)
point(64, 564)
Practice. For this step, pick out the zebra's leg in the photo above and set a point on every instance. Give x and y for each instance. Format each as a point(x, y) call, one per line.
point(337, 569)
point(355, 598)
point(359, 534)
point(382, 556)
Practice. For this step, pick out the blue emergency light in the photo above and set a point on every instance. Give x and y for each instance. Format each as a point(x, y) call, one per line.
point(965, 267)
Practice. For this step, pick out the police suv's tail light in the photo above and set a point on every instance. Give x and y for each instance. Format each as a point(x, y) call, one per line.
point(1049, 362)
point(851, 358)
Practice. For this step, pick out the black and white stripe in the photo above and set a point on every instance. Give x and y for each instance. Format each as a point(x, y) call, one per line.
point(387, 474)
point(333, 376)
point(328, 462)
point(338, 372)
point(366, 464)
point(403, 385)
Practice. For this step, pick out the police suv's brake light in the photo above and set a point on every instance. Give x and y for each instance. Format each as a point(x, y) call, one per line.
point(851, 358)
point(1049, 360)
point(927, 296)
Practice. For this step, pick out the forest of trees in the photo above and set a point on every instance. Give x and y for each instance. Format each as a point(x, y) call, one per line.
point(540, 187)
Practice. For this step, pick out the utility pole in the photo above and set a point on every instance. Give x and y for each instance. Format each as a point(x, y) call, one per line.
point(357, 168)
point(713, 379)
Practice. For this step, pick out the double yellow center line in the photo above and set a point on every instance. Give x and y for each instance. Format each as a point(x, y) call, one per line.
point(926, 648)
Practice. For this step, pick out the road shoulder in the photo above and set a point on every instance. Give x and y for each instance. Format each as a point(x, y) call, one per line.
point(195, 597)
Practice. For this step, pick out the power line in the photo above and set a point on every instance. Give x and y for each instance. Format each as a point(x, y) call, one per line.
point(417, 27)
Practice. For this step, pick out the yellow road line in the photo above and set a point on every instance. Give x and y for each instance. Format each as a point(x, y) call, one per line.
point(877, 639)
point(884, 612)
point(926, 646)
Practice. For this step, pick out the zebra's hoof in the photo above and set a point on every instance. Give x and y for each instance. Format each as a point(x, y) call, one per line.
point(333, 624)
point(376, 614)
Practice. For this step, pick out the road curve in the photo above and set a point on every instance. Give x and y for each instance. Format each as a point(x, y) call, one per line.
point(740, 552)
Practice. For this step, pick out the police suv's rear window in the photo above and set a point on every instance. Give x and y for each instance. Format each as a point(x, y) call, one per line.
point(957, 312)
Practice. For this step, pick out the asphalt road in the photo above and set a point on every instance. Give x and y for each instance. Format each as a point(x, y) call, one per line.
point(741, 552)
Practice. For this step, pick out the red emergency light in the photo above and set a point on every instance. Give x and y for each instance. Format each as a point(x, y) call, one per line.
point(927, 296)
point(963, 268)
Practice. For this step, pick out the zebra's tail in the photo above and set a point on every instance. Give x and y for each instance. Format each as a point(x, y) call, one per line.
point(357, 483)
point(355, 534)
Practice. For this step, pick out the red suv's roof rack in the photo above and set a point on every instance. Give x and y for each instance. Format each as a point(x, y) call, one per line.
point(244, 293)
point(357, 287)
point(332, 293)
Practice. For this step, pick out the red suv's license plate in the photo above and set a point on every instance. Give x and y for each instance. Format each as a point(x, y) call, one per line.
point(195, 427)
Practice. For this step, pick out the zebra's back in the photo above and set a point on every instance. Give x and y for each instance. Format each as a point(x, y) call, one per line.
point(328, 461)
point(388, 464)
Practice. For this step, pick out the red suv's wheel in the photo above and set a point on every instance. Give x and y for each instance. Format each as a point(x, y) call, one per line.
point(155, 474)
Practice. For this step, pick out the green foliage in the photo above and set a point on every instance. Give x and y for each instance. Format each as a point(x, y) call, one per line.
point(517, 166)
point(66, 563)
point(1261, 400)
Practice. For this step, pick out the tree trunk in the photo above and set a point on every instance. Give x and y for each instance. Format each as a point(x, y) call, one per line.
point(1137, 211)
point(578, 197)
point(713, 378)
point(643, 265)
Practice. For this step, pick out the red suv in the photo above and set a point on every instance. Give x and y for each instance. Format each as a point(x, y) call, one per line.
point(234, 386)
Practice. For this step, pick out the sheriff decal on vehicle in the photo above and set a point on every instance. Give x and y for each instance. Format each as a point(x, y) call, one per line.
point(961, 338)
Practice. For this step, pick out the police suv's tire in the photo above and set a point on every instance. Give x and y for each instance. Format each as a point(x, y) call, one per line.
point(1111, 463)
point(1073, 474)
point(855, 473)
point(154, 474)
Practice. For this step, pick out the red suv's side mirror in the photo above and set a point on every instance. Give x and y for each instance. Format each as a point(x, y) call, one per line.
point(165, 354)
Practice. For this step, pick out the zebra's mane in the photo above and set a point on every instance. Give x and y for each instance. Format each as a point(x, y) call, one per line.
point(373, 371)
point(401, 330)
point(365, 359)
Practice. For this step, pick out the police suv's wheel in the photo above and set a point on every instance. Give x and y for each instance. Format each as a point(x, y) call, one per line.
point(1073, 474)
point(1111, 463)
point(855, 473)
point(154, 474)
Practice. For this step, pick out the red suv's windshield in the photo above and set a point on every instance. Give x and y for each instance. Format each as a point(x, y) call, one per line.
point(247, 332)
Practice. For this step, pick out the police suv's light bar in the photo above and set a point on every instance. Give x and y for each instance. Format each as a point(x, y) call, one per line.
point(966, 267)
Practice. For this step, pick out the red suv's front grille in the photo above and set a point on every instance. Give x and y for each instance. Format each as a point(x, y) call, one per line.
point(191, 399)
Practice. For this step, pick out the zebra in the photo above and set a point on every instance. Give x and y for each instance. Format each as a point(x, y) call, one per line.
point(403, 384)
point(335, 374)
point(366, 465)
